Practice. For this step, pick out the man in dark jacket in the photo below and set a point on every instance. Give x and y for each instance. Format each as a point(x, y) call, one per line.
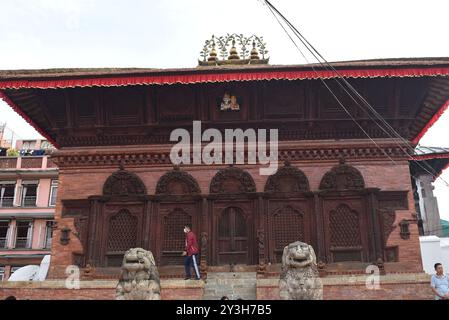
point(191, 253)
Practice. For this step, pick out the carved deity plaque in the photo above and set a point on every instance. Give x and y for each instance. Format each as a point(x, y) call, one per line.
point(229, 102)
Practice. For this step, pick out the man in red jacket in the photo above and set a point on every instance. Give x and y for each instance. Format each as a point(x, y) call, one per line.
point(191, 253)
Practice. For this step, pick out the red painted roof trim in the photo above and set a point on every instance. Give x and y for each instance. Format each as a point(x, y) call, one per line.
point(431, 122)
point(5, 98)
point(199, 76)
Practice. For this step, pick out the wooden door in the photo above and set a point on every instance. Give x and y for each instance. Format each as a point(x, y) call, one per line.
point(232, 237)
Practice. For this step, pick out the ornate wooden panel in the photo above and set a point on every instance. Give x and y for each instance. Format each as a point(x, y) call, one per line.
point(346, 228)
point(123, 232)
point(122, 183)
point(124, 105)
point(232, 237)
point(288, 226)
point(173, 236)
point(342, 177)
point(232, 180)
point(233, 232)
point(176, 103)
point(284, 100)
point(55, 101)
point(177, 182)
point(287, 179)
point(83, 104)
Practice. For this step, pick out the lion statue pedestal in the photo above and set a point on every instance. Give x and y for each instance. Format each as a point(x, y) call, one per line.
point(299, 277)
point(139, 279)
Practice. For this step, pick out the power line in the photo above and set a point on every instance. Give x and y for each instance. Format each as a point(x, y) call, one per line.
point(328, 88)
point(393, 133)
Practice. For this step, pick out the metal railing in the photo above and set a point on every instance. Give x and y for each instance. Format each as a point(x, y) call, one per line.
point(7, 202)
point(29, 201)
point(3, 242)
point(48, 243)
point(22, 243)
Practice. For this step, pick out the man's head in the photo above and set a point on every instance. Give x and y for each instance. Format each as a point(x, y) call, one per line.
point(438, 268)
point(187, 228)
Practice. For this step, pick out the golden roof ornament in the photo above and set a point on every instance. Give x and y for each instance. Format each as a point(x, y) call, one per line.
point(233, 54)
point(254, 52)
point(233, 49)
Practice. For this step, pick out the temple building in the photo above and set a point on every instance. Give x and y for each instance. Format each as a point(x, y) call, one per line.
point(346, 191)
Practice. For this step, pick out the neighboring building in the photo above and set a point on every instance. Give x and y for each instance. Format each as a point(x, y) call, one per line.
point(428, 163)
point(28, 190)
point(444, 228)
point(7, 137)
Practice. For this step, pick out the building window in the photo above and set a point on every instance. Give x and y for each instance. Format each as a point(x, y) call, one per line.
point(7, 194)
point(46, 145)
point(2, 273)
point(24, 231)
point(4, 227)
point(29, 144)
point(29, 193)
point(48, 234)
point(53, 193)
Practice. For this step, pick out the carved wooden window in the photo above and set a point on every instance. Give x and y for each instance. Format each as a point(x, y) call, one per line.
point(122, 232)
point(288, 227)
point(174, 237)
point(345, 237)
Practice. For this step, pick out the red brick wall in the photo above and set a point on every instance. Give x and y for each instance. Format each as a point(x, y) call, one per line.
point(81, 183)
point(402, 291)
point(24, 293)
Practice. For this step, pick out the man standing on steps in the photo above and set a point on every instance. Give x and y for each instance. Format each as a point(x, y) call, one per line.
point(191, 253)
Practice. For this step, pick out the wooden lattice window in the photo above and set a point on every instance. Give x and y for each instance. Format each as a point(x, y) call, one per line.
point(122, 232)
point(288, 227)
point(344, 227)
point(174, 237)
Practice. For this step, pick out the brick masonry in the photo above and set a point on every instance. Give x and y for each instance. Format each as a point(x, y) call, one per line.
point(392, 287)
point(82, 182)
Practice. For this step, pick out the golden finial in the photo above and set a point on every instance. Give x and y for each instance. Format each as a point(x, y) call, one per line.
point(213, 53)
point(233, 54)
point(254, 52)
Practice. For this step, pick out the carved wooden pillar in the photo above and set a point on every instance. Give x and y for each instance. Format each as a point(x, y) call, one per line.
point(377, 252)
point(204, 236)
point(319, 228)
point(93, 254)
point(146, 228)
point(262, 268)
point(204, 254)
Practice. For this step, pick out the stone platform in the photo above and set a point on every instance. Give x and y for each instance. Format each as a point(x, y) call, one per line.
point(246, 285)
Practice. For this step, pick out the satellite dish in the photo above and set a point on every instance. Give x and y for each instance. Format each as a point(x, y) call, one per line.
point(26, 273)
point(43, 269)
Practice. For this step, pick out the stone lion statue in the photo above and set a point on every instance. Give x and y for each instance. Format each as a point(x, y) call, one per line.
point(139, 279)
point(299, 277)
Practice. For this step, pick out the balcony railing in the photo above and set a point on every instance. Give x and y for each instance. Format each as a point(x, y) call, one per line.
point(48, 243)
point(2, 243)
point(6, 202)
point(29, 201)
point(8, 162)
point(22, 243)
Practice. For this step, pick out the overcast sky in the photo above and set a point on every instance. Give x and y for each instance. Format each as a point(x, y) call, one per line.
point(171, 33)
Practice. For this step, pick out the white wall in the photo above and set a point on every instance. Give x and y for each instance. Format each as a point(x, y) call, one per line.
point(433, 250)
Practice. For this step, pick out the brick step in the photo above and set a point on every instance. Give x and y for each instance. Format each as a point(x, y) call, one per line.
point(234, 285)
